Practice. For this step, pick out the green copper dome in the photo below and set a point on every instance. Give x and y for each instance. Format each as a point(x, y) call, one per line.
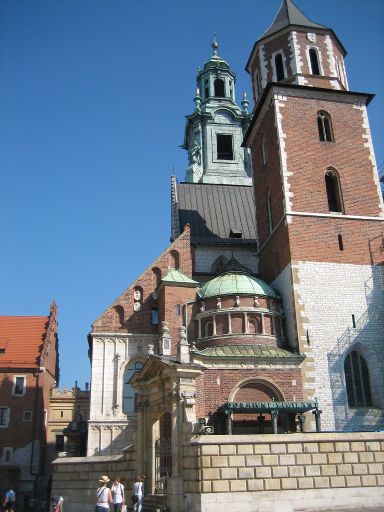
point(235, 284)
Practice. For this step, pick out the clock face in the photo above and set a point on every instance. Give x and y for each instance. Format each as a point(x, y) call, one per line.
point(137, 306)
point(137, 295)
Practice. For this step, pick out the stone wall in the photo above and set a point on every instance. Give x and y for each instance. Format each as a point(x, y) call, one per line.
point(77, 478)
point(309, 472)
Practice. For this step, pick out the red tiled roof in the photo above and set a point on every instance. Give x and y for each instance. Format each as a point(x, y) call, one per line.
point(21, 337)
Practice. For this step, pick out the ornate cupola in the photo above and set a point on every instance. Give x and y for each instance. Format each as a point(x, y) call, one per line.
point(214, 131)
point(296, 50)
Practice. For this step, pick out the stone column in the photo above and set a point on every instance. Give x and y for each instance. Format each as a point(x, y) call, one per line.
point(199, 328)
point(214, 324)
point(274, 415)
point(262, 324)
point(175, 482)
point(246, 330)
point(229, 324)
point(229, 423)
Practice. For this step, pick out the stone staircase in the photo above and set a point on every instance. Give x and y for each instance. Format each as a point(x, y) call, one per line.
point(154, 503)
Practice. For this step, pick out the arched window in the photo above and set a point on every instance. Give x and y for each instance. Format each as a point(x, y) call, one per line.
point(332, 185)
point(279, 67)
point(128, 391)
point(156, 272)
point(325, 127)
point(208, 328)
point(218, 85)
point(174, 259)
point(313, 57)
point(269, 212)
point(119, 316)
point(357, 380)
point(206, 89)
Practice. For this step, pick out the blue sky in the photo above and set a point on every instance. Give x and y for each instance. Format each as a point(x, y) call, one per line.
point(92, 103)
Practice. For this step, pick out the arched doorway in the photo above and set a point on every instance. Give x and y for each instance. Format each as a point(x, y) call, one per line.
point(259, 422)
point(163, 453)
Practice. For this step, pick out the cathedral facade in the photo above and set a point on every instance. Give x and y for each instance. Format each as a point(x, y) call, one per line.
point(265, 314)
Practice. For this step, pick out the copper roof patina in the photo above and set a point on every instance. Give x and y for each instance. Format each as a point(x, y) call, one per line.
point(236, 284)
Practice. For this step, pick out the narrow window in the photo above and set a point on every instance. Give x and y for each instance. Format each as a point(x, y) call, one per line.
point(340, 240)
point(2, 350)
point(269, 212)
point(353, 321)
point(19, 386)
point(263, 150)
point(128, 391)
point(315, 69)
point(332, 185)
point(258, 85)
point(224, 147)
point(178, 309)
point(154, 316)
point(230, 89)
point(174, 259)
point(219, 88)
point(325, 127)
point(357, 380)
point(4, 416)
point(27, 416)
point(156, 272)
point(59, 442)
point(61, 414)
point(206, 89)
point(279, 67)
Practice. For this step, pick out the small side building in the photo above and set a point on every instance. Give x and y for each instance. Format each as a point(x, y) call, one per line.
point(28, 371)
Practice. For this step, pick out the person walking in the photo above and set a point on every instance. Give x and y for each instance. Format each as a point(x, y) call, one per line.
point(9, 500)
point(137, 496)
point(57, 503)
point(117, 491)
point(103, 495)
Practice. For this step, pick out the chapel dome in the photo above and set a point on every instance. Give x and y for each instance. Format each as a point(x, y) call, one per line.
point(235, 283)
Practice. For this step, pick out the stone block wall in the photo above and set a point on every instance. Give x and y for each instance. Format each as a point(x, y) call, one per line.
point(77, 478)
point(296, 472)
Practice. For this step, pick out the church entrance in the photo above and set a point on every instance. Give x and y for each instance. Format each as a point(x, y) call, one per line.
point(163, 454)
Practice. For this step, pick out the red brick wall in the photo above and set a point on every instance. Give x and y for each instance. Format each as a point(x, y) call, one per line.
point(281, 42)
point(214, 386)
point(140, 321)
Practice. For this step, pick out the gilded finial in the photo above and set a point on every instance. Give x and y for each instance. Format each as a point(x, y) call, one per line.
point(215, 44)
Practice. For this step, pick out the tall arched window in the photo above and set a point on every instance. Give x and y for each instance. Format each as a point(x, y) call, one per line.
point(332, 185)
point(174, 259)
point(313, 57)
point(118, 316)
point(128, 391)
point(279, 67)
point(206, 89)
point(156, 273)
point(269, 212)
point(357, 380)
point(219, 88)
point(325, 127)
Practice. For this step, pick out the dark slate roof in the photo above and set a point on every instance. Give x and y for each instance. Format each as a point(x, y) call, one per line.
point(289, 14)
point(213, 211)
point(261, 351)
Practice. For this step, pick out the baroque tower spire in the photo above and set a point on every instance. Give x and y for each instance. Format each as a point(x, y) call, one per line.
point(215, 130)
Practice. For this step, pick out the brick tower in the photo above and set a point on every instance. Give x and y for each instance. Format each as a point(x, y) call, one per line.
point(320, 215)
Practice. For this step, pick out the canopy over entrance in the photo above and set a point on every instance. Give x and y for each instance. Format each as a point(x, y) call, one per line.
point(274, 409)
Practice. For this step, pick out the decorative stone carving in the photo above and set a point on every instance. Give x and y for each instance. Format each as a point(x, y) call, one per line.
point(136, 306)
point(237, 301)
point(256, 303)
point(165, 339)
point(137, 295)
point(151, 348)
point(202, 307)
point(218, 304)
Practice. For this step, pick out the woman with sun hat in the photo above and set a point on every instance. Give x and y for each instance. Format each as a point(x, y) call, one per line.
point(104, 496)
